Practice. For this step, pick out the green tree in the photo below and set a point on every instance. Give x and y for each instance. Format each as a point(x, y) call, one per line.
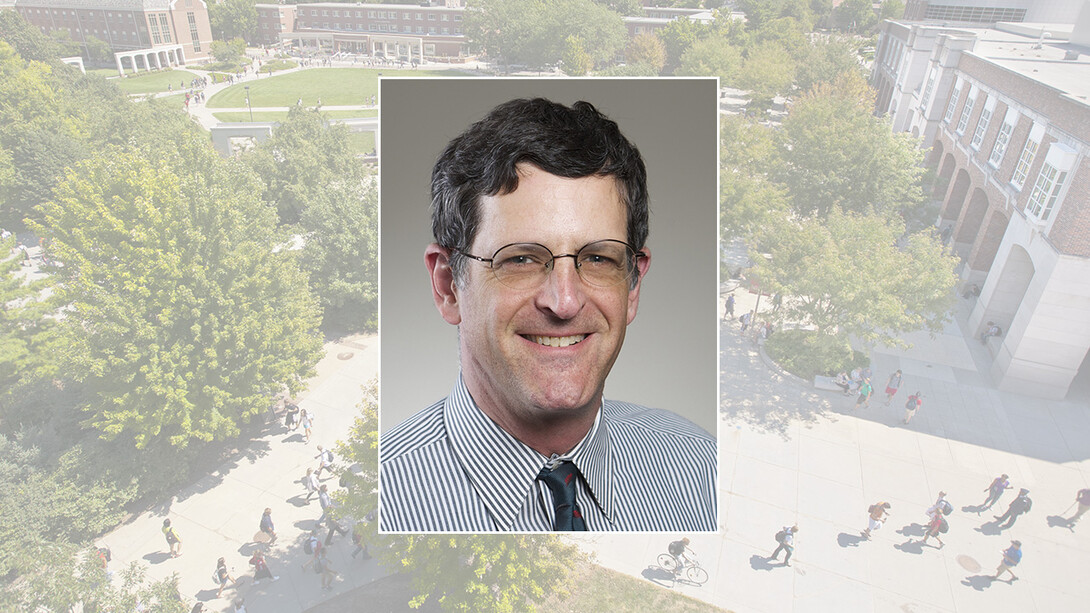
point(638, 69)
point(714, 57)
point(678, 36)
point(826, 60)
point(99, 51)
point(891, 9)
point(855, 16)
point(836, 153)
point(576, 61)
point(228, 51)
point(747, 196)
point(27, 40)
point(233, 19)
point(181, 321)
point(760, 12)
point(646, 49)
point(856, 275)
point(768, 71)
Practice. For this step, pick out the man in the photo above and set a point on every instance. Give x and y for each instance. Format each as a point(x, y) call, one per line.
point(786, 540)
point(681, 552)
point(1011, 557)
point(1083, 500)
point(540, 216)
point(877, 514)
point(1021, 504)
point(999, 485)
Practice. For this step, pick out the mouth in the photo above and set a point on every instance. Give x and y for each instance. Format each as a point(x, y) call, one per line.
point(555, 341)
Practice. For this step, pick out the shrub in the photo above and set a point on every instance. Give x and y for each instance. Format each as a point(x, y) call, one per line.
point(275, 65)
point(805, 353)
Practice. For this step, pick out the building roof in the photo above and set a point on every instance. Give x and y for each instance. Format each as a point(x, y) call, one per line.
point(124, 5)
point(1040, 59)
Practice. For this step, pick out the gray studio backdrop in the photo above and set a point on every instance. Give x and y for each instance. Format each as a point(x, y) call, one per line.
point(669, 355)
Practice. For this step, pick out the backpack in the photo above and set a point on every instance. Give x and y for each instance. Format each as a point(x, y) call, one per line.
point(911, 403)
point(781, 536)
point(946, 508)
point(871, 508)
point(329, 456)
point(1029, 503)
point(216, 576)
point(308, 546)
point(943, 525)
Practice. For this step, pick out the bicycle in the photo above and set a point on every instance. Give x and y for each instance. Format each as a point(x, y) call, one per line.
point(693, 572)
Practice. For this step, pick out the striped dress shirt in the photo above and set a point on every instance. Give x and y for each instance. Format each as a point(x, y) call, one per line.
point(450, 468)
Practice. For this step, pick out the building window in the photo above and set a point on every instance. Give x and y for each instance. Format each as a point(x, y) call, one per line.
point(1045, 191)
point(419, 16)
point(431, 16)
point(1001, 140)
point(1024, 161)
point(154, 30)
point(927, 90)
point(431, 30)
point(445, 17)
point(981, 127)
point(951, 106)
point(966, 111)
point(406, 16)
point(313, 13)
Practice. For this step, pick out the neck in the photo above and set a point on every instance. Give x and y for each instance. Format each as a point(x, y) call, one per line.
point(545, 431)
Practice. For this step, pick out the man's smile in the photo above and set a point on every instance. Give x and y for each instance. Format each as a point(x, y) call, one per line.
point(555, 341)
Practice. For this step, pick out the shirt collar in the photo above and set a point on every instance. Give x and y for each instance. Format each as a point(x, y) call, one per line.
point(502, 469)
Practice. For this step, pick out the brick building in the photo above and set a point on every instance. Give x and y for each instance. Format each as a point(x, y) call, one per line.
point(144, 33)
point(1005, 112)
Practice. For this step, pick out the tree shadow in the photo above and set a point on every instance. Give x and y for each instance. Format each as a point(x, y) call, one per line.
point(1055, 521)
point(913, 529)
point(849, 540)
point(978, 582)
point(157, 557)
point(910, 546)
point(658, 575)
point(759, 562)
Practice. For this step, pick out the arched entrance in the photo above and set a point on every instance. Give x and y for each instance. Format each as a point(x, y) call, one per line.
point(951, 210)
point(1008, 290)
point(989, 244)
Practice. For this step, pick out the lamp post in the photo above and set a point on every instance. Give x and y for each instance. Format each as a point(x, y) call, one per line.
point(247, 88)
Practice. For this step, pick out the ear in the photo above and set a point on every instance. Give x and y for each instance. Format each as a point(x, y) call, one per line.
point(443, 290)
point(642, 266)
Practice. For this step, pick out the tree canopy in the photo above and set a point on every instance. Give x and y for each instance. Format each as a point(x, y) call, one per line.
point(233, 19)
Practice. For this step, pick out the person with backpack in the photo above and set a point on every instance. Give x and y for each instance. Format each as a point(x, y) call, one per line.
point(261, 568)
point(173, 540)
point(325, 567)
point(878, 513)
point(1011, 557)
point(1021, 504)
point(913, 404)
point(936, 526)
point(892, 385)
point(681, 552)
point(221, 576)
point(865, 390)
point(786, 540)
point(325, 461)
point(291, 418)
point(941, 507)
point(310, 481)
point(999, 485)
point(311, 547)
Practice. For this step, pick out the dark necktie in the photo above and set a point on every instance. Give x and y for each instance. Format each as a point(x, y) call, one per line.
point(561, 483)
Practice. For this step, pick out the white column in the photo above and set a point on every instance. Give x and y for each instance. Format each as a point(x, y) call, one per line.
point(120, 69)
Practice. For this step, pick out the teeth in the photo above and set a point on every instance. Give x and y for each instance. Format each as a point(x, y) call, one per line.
point(557, 341)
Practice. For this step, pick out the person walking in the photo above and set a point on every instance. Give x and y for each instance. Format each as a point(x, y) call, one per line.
point(913, 404)
point(222, 576)
point(1021, 504)
point(267, 525)
point(326, 569)
point(892, 385)
point(1011, 557)
point(261, 568)
point(728, 311)
point(173, 540)
point(291, 418)
point(312, 545)
point(865, 391)
point(995, 490)
point(307, 421)
point(878, 513)
point(746, 318)
point(1083, 500)
point(942, 506)
point(786, 540)
point(936, 526)
point(358, 540)
point(325, 461)
point(310, 481)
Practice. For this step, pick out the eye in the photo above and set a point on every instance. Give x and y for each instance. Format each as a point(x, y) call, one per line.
point(518, 260)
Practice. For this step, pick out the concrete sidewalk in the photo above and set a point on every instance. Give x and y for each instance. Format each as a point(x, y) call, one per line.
point(219, 515)
point(794, 455)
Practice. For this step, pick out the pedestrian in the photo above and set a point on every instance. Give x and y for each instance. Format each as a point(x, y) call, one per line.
point(942, 506)
point(267, 525)
point(745, 319)
point(728, 312)
point(936, 526)
point(324, 500)
point(879, 512)
point(291, 419)
point(1083, 499)
point(786, 540)
point(358, 540)
point(892, 385)
point(913, 404)
point(239, 605)
point(1011, 557)
point(995, 490)
point(261, 568)
point(310, 481)
point(311, 546)
point(865, 390)
point(1021, 504)
point(325, 461)
point(222, 576)
point(307, 421)
point(173, 540)
point(325, 566)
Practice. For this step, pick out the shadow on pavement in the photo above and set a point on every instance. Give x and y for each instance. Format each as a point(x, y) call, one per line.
point(975, 508)
point(910, 546)
point(759, 562)
point(1055, 521)
point(913, 529)
point(990, 529)
point(157, 557)
point(848, 540)
point(978, 582)
point(658, 575)
point(298, 500)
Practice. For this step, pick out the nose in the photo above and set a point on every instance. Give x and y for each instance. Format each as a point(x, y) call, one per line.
point(563, 293)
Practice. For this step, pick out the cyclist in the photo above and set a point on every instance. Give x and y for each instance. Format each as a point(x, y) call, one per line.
point(681, 552)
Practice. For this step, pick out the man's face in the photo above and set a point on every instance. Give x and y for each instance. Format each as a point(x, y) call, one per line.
point(508, 359)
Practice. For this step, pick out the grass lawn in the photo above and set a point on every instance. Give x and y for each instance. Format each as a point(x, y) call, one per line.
point(154, 82)
point(335, 86)
point(361, 142)
point(176, 101)
point(233, 116)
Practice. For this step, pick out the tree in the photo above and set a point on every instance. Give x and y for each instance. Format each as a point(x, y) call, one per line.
point(712, 56)
point(855, 16)
point(233, 19)
point(836, 153)
point(891, 9)
point(27, 40)
point(678, 36)
point(768, 71)
point(576, 61)
point(228, 51)
point(826, 60)
point(646, 49)
point(856, 275)
point(760, 12)
point(747, 196)
point(98, 50)
point(181, 321)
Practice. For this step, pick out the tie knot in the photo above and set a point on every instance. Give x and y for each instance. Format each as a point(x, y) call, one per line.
point(561, 482)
